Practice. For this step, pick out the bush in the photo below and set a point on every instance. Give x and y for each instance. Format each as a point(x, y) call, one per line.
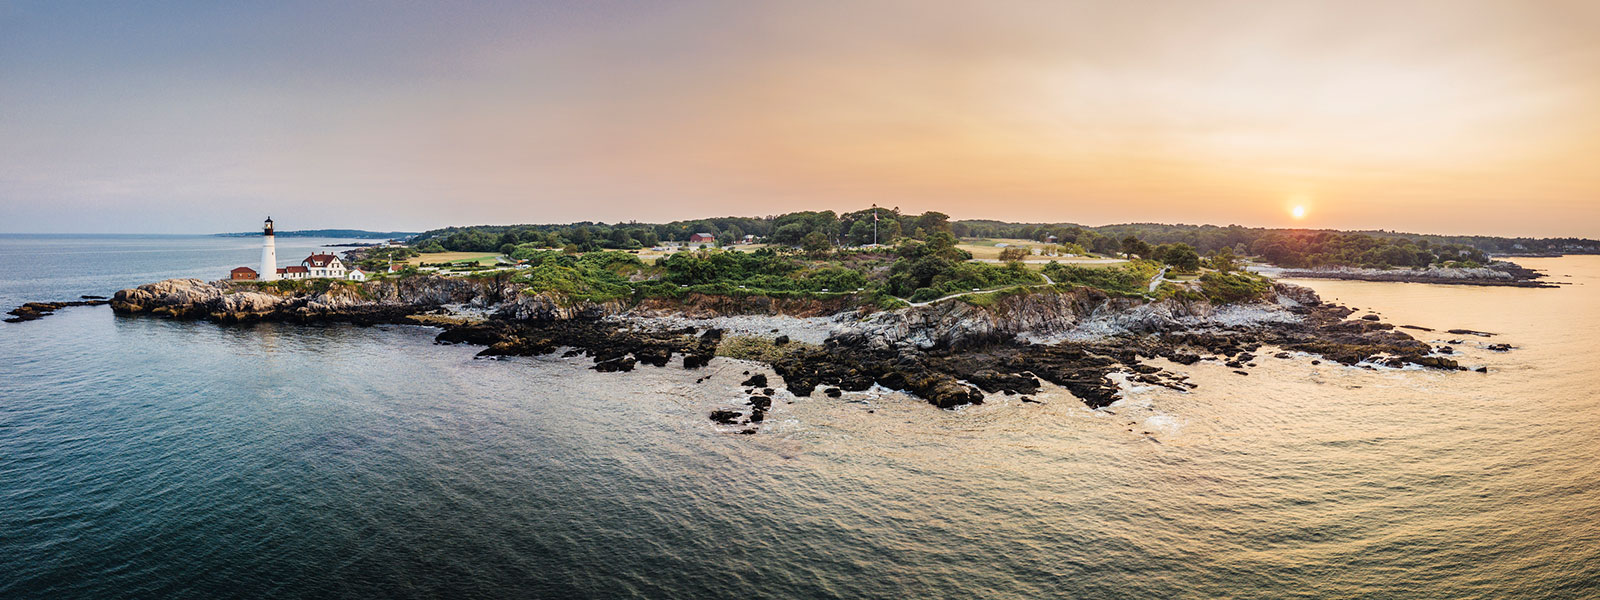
point(1132, 278)
point(925, 294)
point(588, 283)
point(1223, 288)
point(1013, 254)
point(945, 276)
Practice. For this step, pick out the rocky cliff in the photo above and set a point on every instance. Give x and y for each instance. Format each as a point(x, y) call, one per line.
point(376, 301)
point(949, 353)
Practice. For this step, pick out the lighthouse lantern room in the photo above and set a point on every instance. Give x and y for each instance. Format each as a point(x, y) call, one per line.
point(269, 252)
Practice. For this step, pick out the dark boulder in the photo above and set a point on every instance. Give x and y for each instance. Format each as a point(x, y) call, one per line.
point(1183, 358)
point(755, 381)
point(614, 365)
point(1436, 362)
point(725, 417)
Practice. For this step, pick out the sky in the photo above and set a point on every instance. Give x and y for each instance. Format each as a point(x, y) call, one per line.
point(1456, 116)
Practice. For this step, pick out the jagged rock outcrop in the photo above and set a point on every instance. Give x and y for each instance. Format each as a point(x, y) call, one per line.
point(958, 324)
point(1056, 313)
point(703, 306)
point(37, 310)
point(545, 306)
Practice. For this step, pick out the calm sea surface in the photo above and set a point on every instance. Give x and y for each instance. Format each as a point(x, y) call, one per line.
point(142, 458)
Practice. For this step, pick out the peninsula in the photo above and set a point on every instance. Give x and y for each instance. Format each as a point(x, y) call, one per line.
point(951, 319)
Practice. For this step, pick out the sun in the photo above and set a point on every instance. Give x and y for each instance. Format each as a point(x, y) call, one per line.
point(1299, 212)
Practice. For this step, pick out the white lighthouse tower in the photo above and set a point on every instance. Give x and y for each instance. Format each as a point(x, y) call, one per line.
point(269, 253)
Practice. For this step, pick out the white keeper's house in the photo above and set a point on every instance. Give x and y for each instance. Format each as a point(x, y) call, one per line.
point(316, 266)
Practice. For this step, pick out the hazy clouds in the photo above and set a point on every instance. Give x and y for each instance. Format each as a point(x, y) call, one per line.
point(1447, 116)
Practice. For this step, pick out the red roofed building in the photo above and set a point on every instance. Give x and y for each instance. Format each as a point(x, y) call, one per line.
point(702, 238)
point(243, 274)
point(294, 272)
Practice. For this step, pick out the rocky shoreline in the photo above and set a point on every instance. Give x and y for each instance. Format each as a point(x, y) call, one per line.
point(950, 353)
point(37, 310)
point(1498, 273)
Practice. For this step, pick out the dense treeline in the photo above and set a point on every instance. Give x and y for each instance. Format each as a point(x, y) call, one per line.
point(1325, 248)
point(820, 231)
point(1207, 239)
point(792, 229)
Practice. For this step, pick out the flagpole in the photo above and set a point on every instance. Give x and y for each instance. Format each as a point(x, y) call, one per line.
point(874, 225)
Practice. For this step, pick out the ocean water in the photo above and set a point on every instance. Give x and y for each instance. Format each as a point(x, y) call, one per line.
point(144, 458)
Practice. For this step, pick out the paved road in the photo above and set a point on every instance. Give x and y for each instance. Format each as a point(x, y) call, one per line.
point(1156, 281)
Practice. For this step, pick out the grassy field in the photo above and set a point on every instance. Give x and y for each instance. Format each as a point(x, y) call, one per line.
point(988, 249)
point(482, 258)
point(1087, 263)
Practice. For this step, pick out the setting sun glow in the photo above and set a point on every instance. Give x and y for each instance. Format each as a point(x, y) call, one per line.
point(1299, 212)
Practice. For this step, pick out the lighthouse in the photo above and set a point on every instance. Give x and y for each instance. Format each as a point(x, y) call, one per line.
point(269, 253)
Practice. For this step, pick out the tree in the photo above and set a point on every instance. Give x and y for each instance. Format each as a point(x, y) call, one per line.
point(647, 237)
point(933, 221)
point(620, 238)
point(816, 244)
point(1013, 254)
point(1134, 246)
point(790, 234)
point(861, 232)
point(1223, 260)
point(888, 231)
point(1181, 256)
point(581, 236)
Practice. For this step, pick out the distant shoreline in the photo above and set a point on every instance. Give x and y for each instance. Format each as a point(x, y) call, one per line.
point(328, 233)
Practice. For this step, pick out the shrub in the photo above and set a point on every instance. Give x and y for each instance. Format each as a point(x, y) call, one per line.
point(1132, 278)
point(1223, 288)
point(1013, 254)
